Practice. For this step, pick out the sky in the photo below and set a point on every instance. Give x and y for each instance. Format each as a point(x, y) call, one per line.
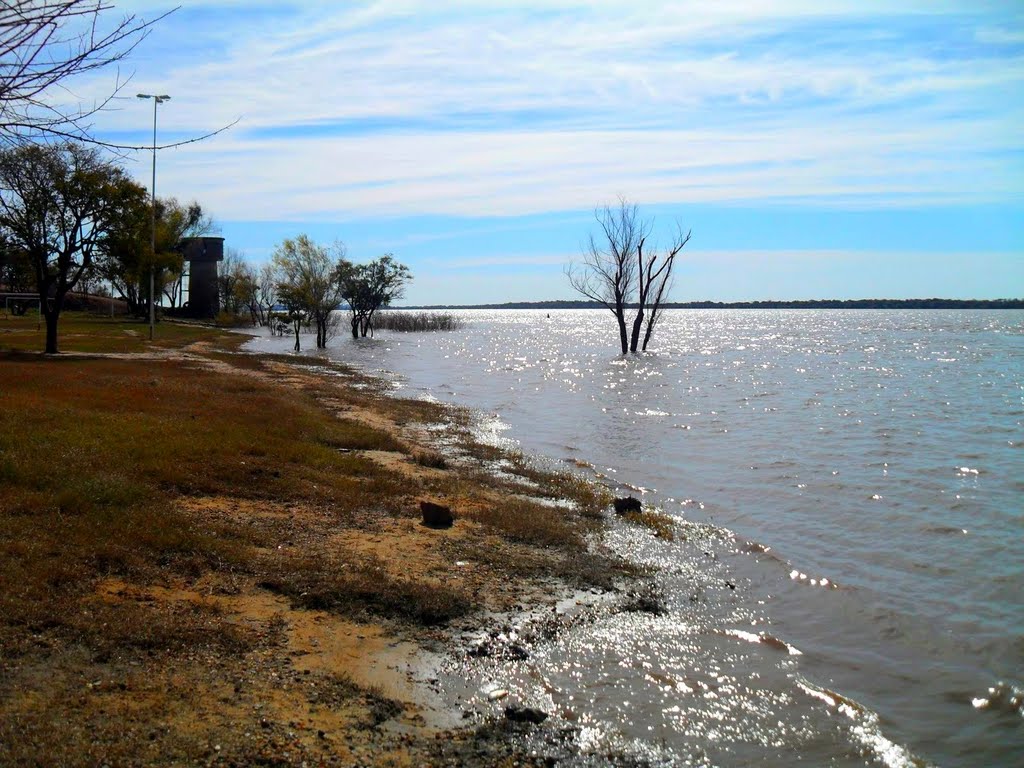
point(815, 149)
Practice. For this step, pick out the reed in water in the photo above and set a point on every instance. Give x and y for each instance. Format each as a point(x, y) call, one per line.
point(409, 322)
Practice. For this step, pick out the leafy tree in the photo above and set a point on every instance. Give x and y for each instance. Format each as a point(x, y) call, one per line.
point(368, 287)
point(123, 256)
point(257, 290)
point(15, 268)
point(57, 202)
point(16, 274)
point(308, 283)
point(617, 272)
point(230, 274)
point(174, 224)
point(293, 299)
point(125, 253)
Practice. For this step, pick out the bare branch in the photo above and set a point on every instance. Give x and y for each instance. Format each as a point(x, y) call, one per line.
point(46, 43)
point(616, 271)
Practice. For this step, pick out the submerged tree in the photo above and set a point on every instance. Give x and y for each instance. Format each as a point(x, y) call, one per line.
point(618, 273)
point(368, 287)
point(57, 203)
point(308, 283)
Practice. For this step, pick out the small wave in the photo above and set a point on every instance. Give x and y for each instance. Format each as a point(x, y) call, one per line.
point(822, 581)
point(944, 529)
point(1002, 697)
point(770, 640)
point(866, 728)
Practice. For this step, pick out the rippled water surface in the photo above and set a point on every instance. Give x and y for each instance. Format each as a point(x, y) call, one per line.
point(851, 588)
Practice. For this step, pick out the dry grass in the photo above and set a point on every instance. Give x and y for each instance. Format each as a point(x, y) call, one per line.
point(364, 590)
point(180, 476)
point(661, 524)
point(529, 522)
point(93, 453)
point(429, 458)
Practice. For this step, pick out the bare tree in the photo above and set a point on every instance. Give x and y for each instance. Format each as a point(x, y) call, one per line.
point(266, 295)
point(654, 281)
point(617, 273)
point(608, 274)
point(257, 290)
point(43, 45)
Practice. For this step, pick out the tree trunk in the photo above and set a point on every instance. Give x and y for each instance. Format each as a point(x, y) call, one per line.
point(297, 346)
point(51, 313)
point(620, 318)
point(51, 331)
point(650, 327)
point(638, 323)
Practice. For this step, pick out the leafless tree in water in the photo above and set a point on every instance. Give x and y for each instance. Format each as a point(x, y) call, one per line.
point(618, 273)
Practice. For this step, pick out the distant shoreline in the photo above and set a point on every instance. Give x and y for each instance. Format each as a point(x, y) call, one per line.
point(808, 304)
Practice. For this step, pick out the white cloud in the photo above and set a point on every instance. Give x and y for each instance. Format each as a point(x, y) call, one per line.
point(668, 102)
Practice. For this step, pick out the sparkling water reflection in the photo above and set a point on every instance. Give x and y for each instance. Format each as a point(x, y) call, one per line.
point(870, 464)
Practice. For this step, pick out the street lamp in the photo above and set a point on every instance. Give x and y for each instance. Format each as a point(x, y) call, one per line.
point(152, 265)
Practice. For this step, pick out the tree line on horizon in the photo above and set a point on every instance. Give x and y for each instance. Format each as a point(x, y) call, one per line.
point(930, 303)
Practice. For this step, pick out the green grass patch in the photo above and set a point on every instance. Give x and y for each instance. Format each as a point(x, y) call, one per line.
point(84, 332)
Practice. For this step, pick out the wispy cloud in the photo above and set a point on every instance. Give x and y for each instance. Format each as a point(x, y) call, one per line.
point(473, 108)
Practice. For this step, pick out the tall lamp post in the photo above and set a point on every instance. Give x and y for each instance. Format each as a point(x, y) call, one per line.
point(157, 100)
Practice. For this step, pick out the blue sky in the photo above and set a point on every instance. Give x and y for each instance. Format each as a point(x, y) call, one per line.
point(815, 149)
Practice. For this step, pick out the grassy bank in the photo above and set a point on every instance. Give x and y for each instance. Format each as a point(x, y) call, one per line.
point(204, 554)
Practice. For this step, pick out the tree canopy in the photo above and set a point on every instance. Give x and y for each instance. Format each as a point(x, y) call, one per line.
point(308, 283)
point(368, 287)
point(57, 203)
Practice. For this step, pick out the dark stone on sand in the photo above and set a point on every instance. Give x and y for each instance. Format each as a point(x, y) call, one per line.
point(517, 652)
point(436, 515)
point(645, 600)
point(626, 505)
point(526, 715)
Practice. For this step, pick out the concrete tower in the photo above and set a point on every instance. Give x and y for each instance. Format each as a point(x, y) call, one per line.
point(202, 255)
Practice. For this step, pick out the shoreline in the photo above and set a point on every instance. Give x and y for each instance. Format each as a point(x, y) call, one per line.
point(302, 635)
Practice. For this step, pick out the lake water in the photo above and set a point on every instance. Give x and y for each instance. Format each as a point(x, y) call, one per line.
point(851, 586)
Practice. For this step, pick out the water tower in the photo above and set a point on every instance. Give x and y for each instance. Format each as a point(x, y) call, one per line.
point(202, 255)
